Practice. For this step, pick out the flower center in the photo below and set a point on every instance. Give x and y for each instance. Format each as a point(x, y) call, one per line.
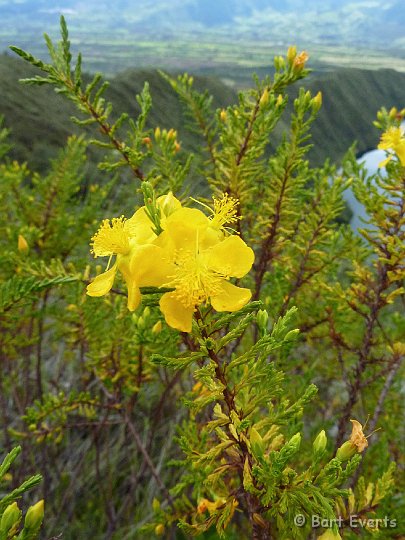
point(193, 280)
point(111, 238)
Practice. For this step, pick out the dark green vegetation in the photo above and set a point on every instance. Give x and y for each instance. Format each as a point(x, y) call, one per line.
point(40, 119)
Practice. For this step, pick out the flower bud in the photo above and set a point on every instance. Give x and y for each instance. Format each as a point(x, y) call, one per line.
point(10, 518)
point(346, 451)
point(141, 323)
point(317, 102)
point(262, 319)
point(320, 442)
point(147, 141)
point(222, 115)
point(34, 516)
point(279, 63)
point(168, 204)
point(158, 133)
point(171, 134)
point(160, 529)
point(157, 327)
point(23, 246)
point(393, 113)
point(295, 441)
point(291, 54)
point(264, 98)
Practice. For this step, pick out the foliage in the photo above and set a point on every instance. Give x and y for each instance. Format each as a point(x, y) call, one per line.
point(239, 427)
point(10, 514)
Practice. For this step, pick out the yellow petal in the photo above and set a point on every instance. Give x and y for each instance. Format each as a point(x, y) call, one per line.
point(231, 297)
point(139, 227)
point(102, 284)
point(134, 295)
point(400, 150)
point(176, 315)
point(184, 225)
point(150, 266)
point(231, 257)
point(383, 163)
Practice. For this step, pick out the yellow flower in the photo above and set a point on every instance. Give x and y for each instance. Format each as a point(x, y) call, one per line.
point(131, 240)
point(393, 139)
point(202, 260)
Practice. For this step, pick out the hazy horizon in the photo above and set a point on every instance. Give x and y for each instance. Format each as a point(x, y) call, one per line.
point(210, 33)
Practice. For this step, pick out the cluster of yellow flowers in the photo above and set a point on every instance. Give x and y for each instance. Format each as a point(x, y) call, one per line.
point(194, 255)
point(393, 141)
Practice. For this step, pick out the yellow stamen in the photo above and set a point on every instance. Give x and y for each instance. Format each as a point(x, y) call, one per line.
point(225, 211)
point(194, 282)
point(111, 238)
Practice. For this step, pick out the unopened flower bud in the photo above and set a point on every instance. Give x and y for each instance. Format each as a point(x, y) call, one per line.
point(171, 134)
point(346, 451)
point(279, 100)
point(23, 246)
point(160, 529)
point(157, 327)
point(147, 141)
point(262, 319)
point(168, 204)
point(279, 63)
point(10, 518)
point(264, 98)
point(222, 115)
point(393, 113)
point(320, 442)
point(34, 516)
point(158, 133)
point(141, 323)
point(177, 147)
point(291, 54)
point(317, 102)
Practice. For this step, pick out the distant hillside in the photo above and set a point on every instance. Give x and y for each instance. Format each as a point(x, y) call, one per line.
point(351, 99)
point(40, 119)
point(375, 23)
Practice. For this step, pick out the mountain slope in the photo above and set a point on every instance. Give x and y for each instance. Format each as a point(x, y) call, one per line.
point(40, 124)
